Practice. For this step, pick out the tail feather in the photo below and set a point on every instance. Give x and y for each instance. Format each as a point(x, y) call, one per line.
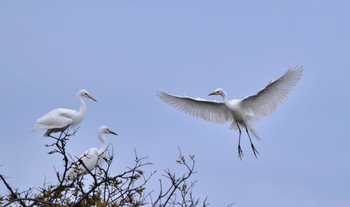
point(252, 120)
point(250, 125)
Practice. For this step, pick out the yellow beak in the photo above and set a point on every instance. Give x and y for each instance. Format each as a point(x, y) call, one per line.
point(111, 132)
point(90, 97)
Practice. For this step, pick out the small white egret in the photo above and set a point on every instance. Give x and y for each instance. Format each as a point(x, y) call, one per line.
point(241, 113)
point(58, 120)
point(91, 158)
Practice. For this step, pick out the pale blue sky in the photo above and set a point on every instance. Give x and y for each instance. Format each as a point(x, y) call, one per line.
point(123, 51)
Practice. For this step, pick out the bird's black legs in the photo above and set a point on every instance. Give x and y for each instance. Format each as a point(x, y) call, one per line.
point(240, 152)
point(251, 143)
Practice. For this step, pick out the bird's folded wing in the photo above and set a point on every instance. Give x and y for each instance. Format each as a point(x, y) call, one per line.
point(208, 110)
point(89, 158)
point(266, 100)
point(54, 119)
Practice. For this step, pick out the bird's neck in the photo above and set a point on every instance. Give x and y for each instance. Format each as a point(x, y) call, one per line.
point(82, 105)
point(103, 141)
point(225, 97)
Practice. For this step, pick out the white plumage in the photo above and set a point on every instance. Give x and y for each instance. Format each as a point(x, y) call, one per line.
point(60, 119)
point(92, 157)
point(241, 113)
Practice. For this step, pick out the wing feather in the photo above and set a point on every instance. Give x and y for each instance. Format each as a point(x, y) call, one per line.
point(57, 118)
point(90, 159)
point(266, 100)
point(208, 110)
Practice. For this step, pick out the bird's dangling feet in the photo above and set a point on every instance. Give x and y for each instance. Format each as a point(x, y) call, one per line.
point(256, 153)
point(240, 152)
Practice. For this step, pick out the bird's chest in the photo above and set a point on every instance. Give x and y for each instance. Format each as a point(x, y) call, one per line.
point(76, 119)
point(237, 110)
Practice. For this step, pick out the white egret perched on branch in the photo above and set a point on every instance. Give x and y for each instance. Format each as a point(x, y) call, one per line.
point(58, 120)
point(241, 113)
point(91, 158)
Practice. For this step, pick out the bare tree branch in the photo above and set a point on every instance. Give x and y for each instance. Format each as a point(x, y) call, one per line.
point(129, 188)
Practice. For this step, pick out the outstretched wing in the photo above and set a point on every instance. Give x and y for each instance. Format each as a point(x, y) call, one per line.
point(208, 110)
point(266, 100)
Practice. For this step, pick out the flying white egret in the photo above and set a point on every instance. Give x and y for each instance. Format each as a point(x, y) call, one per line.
point(58, 120)
point(91, 158)
point(241, 113)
